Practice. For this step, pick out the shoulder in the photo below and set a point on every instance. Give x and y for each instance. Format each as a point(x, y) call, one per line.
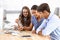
point(55, 17)
point(33, 18)
point(54, 20)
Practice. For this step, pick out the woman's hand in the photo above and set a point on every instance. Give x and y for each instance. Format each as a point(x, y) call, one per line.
point(20, 28)
point(16, 20)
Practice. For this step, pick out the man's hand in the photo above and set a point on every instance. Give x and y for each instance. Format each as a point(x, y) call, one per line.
point(40, 33)
point(34, 31)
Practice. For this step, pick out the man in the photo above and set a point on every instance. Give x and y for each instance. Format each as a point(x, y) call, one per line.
point(36, 19)
point(52, 24)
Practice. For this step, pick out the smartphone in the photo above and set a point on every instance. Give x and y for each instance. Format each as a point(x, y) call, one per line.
point(26, 36)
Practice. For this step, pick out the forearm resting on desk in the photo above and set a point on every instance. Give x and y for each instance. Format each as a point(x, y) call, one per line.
point(44, 36)
point(29, 28)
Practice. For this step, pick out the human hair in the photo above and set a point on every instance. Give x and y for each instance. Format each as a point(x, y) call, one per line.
point(21, 17)
point(42, 7)
point(34, 7)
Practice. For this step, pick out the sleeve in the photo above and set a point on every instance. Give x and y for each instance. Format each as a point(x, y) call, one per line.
point(19, 23)
point(51, 26)
point(34, 22)
point(41, 26)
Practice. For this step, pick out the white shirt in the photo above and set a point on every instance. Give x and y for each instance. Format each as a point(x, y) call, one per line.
point(52, 26)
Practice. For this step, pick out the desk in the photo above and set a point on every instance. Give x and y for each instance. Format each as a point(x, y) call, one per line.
point(18, 37)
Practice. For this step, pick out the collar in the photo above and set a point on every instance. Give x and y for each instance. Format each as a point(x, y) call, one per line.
point(49, 17)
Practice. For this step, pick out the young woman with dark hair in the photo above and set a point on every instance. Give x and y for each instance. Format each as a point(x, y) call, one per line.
point(24, 21)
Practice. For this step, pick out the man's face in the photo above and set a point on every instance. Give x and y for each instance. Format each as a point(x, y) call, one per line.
point(40, 14)
point(34, 13)
point(46, 14)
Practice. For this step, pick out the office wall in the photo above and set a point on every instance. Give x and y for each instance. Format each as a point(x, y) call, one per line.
point(11, 5)
point(18, 4)
point(1, 18)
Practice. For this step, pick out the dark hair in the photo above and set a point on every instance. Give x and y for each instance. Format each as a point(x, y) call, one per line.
point(21, 17)
point(43, 7)
point(34, 7)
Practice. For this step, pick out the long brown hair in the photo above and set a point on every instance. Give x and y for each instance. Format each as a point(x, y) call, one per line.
point(21, 16)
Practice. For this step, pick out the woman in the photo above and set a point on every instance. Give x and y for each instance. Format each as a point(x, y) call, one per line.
point(24, 21)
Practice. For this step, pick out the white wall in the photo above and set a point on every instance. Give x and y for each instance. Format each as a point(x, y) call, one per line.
point(18, 4)
point(1, 18)
point(1, 14)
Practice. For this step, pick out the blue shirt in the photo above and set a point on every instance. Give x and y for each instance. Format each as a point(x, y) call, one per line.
point(51, 26)
point(35, 22)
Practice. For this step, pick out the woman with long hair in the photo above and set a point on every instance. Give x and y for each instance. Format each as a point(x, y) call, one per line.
point(24, 21)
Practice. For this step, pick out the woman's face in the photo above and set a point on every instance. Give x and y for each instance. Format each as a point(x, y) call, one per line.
point(25, 12)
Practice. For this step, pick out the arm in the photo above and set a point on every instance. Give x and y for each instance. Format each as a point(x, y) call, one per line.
point(33, 30)
point(41, 26)
point(17, 21)
point(19, 27)
point(44, 36)
point(28, 28)
point(51, 26)
point(47, 31)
